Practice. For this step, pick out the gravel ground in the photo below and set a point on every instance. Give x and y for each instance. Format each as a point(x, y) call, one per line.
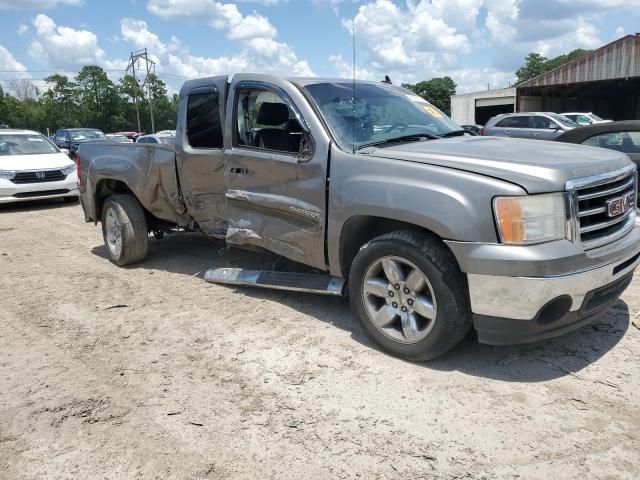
point(150, 372)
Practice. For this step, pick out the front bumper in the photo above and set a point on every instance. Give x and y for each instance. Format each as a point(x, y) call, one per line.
point(510, 307)
point(11, 192)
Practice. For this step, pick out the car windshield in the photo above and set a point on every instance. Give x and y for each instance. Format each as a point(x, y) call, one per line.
point(77, 135)
point(118, 138)
point(564, 121)
point(595, 117)
point(378, 114)
point(168, 140)
point(21, 144)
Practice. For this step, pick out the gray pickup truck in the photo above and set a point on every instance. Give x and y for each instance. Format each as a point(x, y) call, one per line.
point(429, 230)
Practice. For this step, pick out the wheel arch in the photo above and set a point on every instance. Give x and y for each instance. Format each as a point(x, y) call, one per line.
point(360, 229)
point(106, 187)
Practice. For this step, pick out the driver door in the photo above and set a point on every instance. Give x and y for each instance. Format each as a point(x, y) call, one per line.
point(275, 170)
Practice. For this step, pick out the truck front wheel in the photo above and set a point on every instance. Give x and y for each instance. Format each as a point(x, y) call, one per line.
point(409, 295)
point(124, 228)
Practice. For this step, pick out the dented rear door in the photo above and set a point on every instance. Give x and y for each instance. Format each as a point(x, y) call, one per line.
point(275, 198)
point(200, 151)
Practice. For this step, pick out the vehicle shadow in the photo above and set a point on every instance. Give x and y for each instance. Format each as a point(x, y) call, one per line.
point(194, 254)
point(35, 205)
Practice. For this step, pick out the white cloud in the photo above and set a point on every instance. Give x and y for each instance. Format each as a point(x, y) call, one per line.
point(64, 47)
point(35, 4)
point(22, 29)
point(254, 33)
point(9, 63)
point(261, 54)
point(620, 32)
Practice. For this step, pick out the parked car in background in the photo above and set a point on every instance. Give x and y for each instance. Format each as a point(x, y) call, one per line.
point(584, 118)
point(620, 136)
point(71, 138)
point(473, 129)
point(533, 125)
point(33, 168)
point(114, 137)
point(130, 135)
point(164, 136)
point(4, 126)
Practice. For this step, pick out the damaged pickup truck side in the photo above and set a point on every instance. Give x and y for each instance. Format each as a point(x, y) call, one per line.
point(429, 230)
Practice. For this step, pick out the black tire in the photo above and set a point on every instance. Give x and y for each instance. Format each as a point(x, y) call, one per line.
point(453, 316)
point(134, 236)
point(70, 199)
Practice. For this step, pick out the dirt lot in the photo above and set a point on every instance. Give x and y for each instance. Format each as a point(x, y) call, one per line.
point(149, 372)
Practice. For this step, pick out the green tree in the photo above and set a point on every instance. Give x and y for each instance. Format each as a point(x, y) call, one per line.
point(437, 91)
point(533, 66)
point(99, 100)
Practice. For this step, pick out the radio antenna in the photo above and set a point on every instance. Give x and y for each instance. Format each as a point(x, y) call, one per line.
point(353, 93)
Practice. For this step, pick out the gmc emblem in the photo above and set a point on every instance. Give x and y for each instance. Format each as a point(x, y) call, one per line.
point(619, 205)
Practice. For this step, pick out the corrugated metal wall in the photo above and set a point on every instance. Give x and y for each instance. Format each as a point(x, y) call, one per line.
point(620, 59)
point(463, 107)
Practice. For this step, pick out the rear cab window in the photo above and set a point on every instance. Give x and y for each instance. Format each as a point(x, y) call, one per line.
point(204, 128)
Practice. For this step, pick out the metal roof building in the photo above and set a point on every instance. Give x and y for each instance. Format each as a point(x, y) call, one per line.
point(605, 82)
point(478, 107)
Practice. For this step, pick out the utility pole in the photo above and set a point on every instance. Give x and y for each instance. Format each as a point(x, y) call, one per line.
point(149, 68)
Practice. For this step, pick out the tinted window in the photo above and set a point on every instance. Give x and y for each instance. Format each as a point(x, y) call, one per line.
point(626, 142)
point(264, 120)
point(141, 140)
point(514, 122)
point(203, 121)
point(540, 122)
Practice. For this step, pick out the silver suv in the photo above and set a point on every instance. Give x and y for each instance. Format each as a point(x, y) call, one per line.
point(538, 126)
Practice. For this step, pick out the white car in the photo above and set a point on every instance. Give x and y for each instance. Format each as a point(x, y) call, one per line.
point(585, 118)
point(33, 168)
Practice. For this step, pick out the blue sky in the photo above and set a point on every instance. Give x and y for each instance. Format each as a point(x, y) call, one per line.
point(476, 42)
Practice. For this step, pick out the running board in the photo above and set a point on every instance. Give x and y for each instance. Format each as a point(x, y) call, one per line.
point(296, 282)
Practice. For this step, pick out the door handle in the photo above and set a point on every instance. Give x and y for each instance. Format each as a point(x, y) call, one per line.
point(239, 171)
point(507, 132)
point(535, 134)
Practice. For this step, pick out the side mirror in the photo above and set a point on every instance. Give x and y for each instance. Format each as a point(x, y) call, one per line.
point(307, 148)
point(554, 127)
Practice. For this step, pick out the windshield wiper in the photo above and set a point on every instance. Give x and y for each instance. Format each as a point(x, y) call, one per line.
point(454, 133)
point(405, 138)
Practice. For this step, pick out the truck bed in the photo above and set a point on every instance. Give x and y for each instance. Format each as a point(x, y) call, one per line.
point(149, 171)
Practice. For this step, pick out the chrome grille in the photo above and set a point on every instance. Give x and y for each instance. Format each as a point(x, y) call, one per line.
point(589, 197)
point(39, 176)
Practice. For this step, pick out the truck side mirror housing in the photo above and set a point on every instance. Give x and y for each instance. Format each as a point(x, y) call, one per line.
point(307, 147)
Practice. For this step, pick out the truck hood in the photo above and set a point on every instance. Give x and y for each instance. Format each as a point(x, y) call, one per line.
point(44, 161)
point(537, 166)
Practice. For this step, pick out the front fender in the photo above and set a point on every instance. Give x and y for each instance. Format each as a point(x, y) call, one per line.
point(453, 204)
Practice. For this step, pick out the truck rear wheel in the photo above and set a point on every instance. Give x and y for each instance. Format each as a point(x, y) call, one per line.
point(409, 295)
point(124, 228)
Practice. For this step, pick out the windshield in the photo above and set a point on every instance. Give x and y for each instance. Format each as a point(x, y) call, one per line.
point(595, 117)
point(77, 135)
point(118, 138)
point(379, 113)
point(564, 121)
point(25, 145)
point(167, 140)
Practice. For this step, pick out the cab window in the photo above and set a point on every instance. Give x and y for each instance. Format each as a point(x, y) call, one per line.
point(204, 129)
point(265, 121)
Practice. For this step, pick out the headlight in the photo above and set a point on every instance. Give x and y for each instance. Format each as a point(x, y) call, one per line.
point(7, 174)
point(530, 219)
point(68, 170)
